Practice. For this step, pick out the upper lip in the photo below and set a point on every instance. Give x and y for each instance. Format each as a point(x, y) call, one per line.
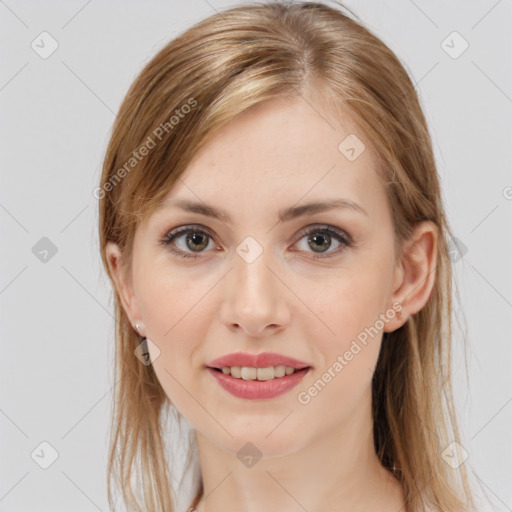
point(263, 360)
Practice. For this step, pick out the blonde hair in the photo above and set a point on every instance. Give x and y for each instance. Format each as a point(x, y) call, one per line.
point(196, 84)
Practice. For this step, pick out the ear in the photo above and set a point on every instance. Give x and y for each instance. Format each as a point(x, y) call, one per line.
point(123, 282)
point(415, 273)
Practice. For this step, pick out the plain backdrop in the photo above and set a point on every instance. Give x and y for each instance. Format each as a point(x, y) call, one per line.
point(56, 113)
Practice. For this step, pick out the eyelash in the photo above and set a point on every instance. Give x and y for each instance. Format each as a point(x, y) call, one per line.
point(344, 239)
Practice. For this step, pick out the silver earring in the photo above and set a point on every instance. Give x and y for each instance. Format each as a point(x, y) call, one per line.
point(137, 327)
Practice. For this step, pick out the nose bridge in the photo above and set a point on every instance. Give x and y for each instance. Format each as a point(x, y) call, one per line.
point(252, 275)
point(254, 299)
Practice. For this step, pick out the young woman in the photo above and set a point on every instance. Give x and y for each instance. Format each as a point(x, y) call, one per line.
point(272, 224)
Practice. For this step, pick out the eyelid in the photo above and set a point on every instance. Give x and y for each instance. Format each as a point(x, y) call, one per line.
point(179, 230)
point(333, 230)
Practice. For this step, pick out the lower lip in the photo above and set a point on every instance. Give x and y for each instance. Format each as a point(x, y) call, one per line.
point(258, 389)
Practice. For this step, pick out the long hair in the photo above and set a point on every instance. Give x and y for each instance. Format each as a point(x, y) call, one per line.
point(194, 86)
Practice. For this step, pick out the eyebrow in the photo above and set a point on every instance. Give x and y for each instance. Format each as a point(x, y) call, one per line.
point(284, 215)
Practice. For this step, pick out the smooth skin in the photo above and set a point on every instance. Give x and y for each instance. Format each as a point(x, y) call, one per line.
point(316, 456)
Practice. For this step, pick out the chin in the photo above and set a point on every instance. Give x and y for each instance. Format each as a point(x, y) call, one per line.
point(257, 442)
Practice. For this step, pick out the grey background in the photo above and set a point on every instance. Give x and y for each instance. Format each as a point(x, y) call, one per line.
point(56, 325)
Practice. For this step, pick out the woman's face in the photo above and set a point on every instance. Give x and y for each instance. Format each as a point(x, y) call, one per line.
point(257, 283)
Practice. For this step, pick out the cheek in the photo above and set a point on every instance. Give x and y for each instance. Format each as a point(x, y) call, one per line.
point(348, 304)
point(175, 321)
point(177, 316)
point(169, 299)
point(347, 335)
point(348, 360)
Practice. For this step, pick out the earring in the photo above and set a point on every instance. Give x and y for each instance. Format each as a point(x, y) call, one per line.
point(138, 327)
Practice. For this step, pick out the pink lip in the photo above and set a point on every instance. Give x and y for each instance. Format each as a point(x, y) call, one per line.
point(262, 360)
point(255, 389)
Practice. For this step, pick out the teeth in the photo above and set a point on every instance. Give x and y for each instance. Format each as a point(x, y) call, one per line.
point(280, 371)
point(265, 373)
point(248, 373)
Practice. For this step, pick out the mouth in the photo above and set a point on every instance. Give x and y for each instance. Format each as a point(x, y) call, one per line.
point(260, 362)
point(249, 373)
point(251, 383)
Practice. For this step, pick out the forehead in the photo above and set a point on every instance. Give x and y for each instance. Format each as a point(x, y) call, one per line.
point(279, 153)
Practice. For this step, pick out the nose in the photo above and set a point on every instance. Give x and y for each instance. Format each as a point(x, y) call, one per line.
point(254, 298)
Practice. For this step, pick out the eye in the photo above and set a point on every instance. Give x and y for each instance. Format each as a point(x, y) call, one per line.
point(194, 241)
point(319, 239)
